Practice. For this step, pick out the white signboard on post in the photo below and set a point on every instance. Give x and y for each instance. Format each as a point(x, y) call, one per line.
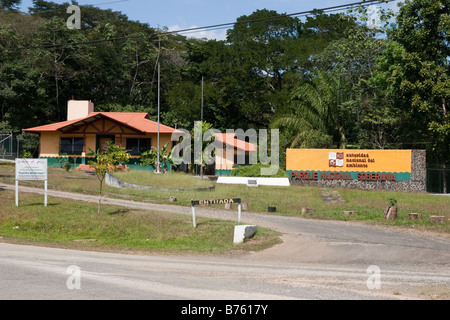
point(215, 201)
point(31, 170)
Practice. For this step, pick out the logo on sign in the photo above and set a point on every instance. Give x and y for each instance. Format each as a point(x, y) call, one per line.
point(336, 159)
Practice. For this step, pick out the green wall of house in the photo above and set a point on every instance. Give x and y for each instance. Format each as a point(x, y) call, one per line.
point(134, 164)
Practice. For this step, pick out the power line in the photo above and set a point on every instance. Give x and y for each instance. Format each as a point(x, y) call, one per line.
point(111, 2)
point(200, 29)
point(305, 13)
point(85, 5)
point(328, 9)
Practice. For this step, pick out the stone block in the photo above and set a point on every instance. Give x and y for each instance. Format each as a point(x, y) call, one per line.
point(244, 232)
point(173, 199)
point(390, 213)
point(414, 216)
point(437, 219)
point(228, 206)
point(308, 211)
point(350, 213)
point(245, 206)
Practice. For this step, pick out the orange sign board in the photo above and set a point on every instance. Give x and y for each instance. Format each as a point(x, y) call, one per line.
point(348, 160)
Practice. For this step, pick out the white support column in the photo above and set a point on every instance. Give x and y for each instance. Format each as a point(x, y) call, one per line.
point(46, 192)
point(17, 193)
point(239, 212)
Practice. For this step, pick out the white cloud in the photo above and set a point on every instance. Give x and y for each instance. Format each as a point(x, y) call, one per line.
point(219, 34)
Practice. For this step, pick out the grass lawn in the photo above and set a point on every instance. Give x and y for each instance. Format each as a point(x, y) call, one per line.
point(369, 205)
point(178, 180)
point(77, 225)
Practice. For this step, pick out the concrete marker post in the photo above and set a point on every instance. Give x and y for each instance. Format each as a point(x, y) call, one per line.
point(45, 193)
point(17, 193)
point(193, 215)
point(239, 212)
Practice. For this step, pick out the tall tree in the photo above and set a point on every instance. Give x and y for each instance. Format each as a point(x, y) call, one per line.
point(107, 162)
point(315, 116)
point(10, 4)
point(419, 77)
point(262, 39)
point(60, 62)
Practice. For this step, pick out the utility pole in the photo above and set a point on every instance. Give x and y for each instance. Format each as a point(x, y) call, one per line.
point(202, 101)
point(159, 86)
point(201, 118)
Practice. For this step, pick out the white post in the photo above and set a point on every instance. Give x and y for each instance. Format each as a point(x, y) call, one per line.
point(193, 216)
point(158, 164)
point(46, 192)
point(17, 193)
point(239, 212)
point(201, 118)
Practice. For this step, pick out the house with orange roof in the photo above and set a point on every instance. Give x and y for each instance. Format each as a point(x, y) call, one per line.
point(86, 129)
point(234, 152)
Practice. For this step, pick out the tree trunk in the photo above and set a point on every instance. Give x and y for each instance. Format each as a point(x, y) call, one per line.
point(444, 108)
point(444, 178)
point(100, 198)
point(135, 73)
point(57, 93)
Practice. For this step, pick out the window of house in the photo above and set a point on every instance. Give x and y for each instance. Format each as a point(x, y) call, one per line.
point(136, 146)
point(71, 145)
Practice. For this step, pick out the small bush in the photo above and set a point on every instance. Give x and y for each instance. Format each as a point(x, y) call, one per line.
point(254, 170)
point(26, 154)
point(67, 166)
point(392, 202)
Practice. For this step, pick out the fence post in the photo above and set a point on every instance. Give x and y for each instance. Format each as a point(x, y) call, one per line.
point(18, 148)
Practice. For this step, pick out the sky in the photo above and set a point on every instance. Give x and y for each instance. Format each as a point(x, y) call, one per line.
point(184, 14)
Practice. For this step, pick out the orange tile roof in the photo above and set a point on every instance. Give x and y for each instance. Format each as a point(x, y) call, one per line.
point(231, 140)
point(138, 121)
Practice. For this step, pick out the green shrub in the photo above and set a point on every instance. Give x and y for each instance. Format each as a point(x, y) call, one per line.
point(67, 166)
point(26, 154)
point(254, 170)
point(392, 202)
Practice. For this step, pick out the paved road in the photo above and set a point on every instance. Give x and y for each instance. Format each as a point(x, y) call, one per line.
point(317, 260)
point(41, 273)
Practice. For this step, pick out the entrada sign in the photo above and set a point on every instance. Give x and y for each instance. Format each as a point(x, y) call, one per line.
point(215, 201)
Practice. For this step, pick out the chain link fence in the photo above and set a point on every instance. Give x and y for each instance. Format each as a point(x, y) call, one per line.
point(14, 146)
point(9, 146)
